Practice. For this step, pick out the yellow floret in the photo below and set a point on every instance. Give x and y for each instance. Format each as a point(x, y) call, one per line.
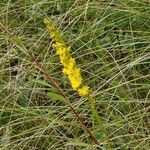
point(75, 78)
point(84, 91)
point(75, 83)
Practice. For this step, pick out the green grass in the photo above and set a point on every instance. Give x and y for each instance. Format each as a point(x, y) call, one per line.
point(111, 43)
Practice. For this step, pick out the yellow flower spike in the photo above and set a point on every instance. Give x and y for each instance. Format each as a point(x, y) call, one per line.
point(69, 64)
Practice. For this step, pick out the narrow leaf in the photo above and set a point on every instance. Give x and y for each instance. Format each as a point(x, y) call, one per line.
point(42, 82)
point(78, 143)
point(19, 43)
point(55, 96)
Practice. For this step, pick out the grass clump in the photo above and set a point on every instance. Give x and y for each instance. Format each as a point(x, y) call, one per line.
point(110, 43)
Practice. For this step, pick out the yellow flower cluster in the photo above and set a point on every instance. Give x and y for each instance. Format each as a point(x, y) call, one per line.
point(69, 64)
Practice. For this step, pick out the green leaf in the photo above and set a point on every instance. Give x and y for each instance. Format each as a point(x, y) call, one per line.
point(42, 82)
point(78, 143)
point(55, 96)
point(19, 43)
point(23, 103)
point(5, 118)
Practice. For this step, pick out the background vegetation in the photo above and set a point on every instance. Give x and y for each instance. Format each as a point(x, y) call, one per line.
point(111, 43)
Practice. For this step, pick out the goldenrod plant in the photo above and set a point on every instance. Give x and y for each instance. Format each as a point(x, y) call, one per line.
point(71, 70)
